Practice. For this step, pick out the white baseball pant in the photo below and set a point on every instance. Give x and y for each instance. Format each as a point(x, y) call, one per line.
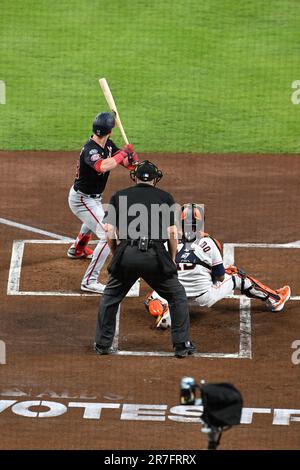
point(90, 212)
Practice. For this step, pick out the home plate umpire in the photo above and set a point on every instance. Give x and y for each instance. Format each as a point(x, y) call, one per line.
point(140, 220)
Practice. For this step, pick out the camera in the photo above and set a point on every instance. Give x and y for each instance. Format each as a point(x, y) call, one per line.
point(222, 406)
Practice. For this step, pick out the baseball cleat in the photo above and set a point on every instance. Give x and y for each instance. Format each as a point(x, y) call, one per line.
point(87, 253)
point(104, 350)
point(184, 349)
point(285, 294)
point(96, 287)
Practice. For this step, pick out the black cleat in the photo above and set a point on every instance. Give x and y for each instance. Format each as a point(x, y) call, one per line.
point(104, 350)
point(184, 349)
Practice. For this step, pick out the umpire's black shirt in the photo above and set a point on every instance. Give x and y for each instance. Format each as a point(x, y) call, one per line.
point(141, 211)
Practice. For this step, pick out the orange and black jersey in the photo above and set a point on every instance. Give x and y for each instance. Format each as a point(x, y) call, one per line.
point(88, 180)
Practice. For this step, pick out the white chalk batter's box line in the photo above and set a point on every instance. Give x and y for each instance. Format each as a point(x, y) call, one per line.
point(245, 346)
point(13, 284)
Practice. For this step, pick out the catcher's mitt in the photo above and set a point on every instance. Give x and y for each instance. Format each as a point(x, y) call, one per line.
point(159, 311)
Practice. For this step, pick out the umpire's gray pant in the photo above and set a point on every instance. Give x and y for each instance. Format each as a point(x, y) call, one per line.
point(135, 264)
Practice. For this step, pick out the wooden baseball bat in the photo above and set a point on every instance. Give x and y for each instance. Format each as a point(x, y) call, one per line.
point(112, 106)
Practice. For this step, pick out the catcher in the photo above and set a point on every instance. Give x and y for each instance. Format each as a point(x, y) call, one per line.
point(202, 273)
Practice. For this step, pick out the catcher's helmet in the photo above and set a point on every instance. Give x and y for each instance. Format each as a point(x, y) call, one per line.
point(146, 171)
point(192, 221)
point(103, 124)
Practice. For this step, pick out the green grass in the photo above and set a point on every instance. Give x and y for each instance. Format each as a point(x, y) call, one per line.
point(187, 75)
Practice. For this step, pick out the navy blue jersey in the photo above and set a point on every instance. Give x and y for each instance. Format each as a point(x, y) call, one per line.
point(88, 180)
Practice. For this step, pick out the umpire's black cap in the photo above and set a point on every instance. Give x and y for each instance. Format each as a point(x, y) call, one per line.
point(103, 124)
point(146, 171)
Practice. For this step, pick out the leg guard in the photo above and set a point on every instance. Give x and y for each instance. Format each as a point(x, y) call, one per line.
point(81, 242)
point(250, 286)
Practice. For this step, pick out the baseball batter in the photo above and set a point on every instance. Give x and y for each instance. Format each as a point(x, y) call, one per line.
point(202, 273)
point(98, 157)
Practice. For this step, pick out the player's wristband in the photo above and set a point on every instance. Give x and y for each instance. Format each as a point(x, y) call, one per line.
point(97, 166)
point(130, 167)
point(119, 157)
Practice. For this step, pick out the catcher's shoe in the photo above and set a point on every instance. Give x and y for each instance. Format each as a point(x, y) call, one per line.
point(77, 254)
point(184, 349)
point(285, 294)
point(164, 321)
point(96, 287)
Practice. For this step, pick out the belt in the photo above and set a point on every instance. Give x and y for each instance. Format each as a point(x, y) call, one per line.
point(137, 241)
point(93, 196)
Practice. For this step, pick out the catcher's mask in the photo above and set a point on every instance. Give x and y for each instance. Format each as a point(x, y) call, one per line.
point(192, 221)
point(146, 171)
point(103, 124)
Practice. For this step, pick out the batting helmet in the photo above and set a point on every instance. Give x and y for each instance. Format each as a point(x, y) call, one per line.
point(103, 124)
point(192, 221)
point(146, 171)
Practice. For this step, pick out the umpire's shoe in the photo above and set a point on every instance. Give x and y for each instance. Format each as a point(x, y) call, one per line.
point(104, 350)
point(184, 349)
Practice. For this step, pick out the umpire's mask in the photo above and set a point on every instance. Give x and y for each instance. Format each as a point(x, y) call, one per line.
point(146, 171)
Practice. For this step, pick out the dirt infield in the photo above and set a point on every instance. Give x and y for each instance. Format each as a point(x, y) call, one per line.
point(56, 393)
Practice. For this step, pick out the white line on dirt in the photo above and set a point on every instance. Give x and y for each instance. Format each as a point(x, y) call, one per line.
point(13, 282)
point(169, 354)
point(264, 245)
point(11, 223)
point(54, 294)
point(60, 294)
point(295, 243)
point(63, 241)
point(116, 337)
point(245, 328)
point(228, 249)
point(228, 254)
point(14, 275)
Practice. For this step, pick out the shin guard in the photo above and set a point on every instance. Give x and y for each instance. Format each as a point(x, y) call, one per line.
point(250, 286)
point(81, 242)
